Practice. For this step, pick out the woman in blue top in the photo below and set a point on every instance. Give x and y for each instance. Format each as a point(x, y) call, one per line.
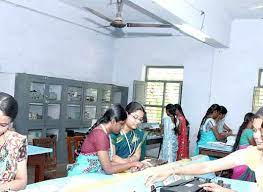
point(170, 142)
point(127, 144)
point(208, 131)
point(243, 140)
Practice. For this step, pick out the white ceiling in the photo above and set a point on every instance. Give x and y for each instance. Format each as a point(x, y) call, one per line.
point(129, 14)
point(242, 9)
point(109, 9)
point(237, 9)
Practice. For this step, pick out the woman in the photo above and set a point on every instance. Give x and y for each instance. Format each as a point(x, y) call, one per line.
point(182, 152)
point(251, 156)
point(221, 126)
point(127, 144)
point(95, 151)
point(208, 131)
point(13, 148)
point(243, 140)
point(170, 142)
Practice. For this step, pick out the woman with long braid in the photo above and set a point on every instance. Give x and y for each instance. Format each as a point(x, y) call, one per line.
point(243, 140)
point(96, 151)
point(170, 133)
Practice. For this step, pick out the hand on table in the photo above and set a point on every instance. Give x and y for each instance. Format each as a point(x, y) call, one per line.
point(161, 175)
point(214, 188)
point(136, 166)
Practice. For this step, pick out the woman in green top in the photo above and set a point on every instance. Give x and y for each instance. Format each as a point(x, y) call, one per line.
point(127, 144)
point(244, 139)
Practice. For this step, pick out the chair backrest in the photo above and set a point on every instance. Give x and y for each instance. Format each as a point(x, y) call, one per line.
point(48, 142)
point(73, 143)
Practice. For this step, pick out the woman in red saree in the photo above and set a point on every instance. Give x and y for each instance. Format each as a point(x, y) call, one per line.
point(183, 143)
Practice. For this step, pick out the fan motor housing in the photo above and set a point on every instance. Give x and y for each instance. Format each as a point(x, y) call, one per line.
point(118, 24)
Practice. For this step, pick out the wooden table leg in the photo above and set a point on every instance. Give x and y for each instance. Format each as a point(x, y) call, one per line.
point(37, 161)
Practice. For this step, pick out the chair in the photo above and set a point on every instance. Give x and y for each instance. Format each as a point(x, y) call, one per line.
point(51, 158)
point(73, 144)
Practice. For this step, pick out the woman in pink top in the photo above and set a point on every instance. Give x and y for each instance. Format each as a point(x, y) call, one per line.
point(95, 155)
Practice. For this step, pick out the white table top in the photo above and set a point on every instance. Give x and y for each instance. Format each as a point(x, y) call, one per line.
point(121, 182)
point(34, 150)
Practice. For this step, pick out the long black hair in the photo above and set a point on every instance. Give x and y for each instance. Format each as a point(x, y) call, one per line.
point(179, 108)
point(223, 110)
point(248, 118)
point(115, 112)
point(8, 105)
point(210, 110)
point(170, 108)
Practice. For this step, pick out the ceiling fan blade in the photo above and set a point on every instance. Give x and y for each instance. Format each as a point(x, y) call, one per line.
point(134, 35)
point(96, 23)
point(149, 25)
point(98, 14)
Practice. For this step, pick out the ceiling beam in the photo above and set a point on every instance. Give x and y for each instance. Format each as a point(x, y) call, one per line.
point(157, 12)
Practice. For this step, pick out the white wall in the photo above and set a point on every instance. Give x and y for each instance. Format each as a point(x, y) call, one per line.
point(7, 83)
point(131, 56)
point(39, 44)
point(236, 70)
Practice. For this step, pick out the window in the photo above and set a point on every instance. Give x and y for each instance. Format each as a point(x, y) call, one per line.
point(163, 86)
point(260, 78)
point(258, 93)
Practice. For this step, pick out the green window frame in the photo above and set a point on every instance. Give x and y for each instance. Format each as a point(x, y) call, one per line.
point(163, 86)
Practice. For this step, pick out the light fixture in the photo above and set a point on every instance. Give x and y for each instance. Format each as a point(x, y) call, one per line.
point(256, 7)
point(192, 31)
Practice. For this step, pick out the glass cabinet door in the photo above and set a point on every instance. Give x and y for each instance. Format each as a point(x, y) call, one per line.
point(37, 91)
point(35, 111)
point(104, 109)
point(33, 134)
point(53, 111)
point(52, 132)
point(89, 112)
point(73, 112)
point(74, 94)
point(54, 92)
point(106, 95)
point(116, 97)
point(91, 95)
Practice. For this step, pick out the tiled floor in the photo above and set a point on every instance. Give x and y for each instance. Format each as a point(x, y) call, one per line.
point(61, 172)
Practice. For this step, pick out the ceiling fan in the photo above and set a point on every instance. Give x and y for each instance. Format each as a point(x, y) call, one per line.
point(119, 23)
